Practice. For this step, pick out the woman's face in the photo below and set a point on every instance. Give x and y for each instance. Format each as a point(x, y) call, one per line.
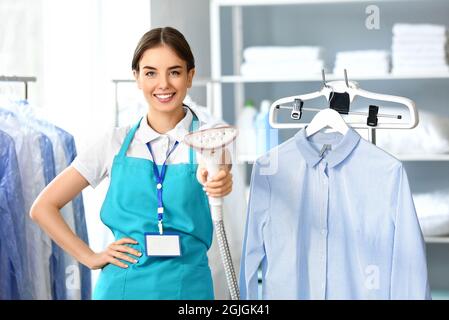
point(163, 78)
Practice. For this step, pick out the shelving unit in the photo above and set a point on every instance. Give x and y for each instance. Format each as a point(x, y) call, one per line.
point(330, 77)
point(240, 83)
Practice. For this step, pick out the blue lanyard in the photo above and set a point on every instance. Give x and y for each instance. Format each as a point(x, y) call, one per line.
point(159, 181)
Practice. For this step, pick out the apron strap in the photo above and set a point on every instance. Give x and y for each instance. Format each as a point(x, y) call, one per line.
point(193, 127)
point(128, 139)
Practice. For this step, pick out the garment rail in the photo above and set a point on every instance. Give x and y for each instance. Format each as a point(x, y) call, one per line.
point(24, 80)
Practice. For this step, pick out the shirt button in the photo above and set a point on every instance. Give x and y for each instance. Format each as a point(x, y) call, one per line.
point(323, 231)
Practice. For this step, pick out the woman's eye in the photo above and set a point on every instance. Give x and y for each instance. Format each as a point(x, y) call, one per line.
point(150, 74)
point(175, 73)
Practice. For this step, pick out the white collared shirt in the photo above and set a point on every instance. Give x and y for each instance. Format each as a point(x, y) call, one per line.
point(95, 162)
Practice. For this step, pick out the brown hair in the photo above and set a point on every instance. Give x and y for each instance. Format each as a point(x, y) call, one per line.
point(168, 36)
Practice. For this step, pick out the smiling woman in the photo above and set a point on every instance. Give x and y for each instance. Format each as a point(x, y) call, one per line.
point(163, 66)
point(156, 205)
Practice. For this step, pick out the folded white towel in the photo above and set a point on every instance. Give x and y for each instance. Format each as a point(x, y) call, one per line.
point(264, 54)
point(440, 49)
point(420, 54)
point(417, 39)
point(363, 54)
point(418, 29)
point(361, 71)
point(357, 62)
point(281, 69)
point(432, 209)
point(362, 62)
point(431, 135)
point(419, 63)
point(425, 65)
point(417, 70)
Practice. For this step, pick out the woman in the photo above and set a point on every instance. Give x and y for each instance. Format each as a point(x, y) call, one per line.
point(162, 238)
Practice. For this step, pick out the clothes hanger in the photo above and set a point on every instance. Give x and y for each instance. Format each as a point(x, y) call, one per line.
point(327, 118)
point(353, 90)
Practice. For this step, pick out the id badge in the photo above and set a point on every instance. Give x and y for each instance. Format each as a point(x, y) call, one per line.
point(165, 245)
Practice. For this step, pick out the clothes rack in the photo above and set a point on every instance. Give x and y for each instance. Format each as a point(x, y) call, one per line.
point(24, 80)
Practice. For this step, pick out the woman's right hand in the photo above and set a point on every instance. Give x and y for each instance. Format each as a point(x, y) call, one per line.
point(113, 253)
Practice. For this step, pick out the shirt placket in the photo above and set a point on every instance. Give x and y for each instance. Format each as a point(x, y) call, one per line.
point(161, 148)
point(323, 229)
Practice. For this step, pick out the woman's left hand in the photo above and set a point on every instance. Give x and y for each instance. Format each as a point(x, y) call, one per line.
point(220, 185)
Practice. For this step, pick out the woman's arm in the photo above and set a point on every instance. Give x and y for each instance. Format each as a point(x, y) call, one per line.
point(46, 212)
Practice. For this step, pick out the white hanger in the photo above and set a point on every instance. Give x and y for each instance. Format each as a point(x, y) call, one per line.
point(327, 118)
point(352, 88)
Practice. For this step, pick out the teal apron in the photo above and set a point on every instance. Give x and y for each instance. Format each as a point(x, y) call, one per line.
point(130, 211)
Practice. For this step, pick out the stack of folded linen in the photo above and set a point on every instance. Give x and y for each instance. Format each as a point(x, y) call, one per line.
point(419, 48)
point(432, 209)
point(431, 135)
point(294, 61)
point(362, 62)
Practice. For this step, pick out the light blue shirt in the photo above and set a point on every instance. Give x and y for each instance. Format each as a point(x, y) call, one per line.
point(337, 226)
point(28, 143)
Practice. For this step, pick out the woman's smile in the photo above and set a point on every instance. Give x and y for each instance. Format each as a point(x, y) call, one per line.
point(165, 97)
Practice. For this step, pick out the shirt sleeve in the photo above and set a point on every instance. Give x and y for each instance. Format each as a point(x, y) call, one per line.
point(93, 162)
point(409, 266)
point(253, 251)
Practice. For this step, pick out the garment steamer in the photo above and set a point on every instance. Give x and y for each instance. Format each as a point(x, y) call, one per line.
point(210, 145)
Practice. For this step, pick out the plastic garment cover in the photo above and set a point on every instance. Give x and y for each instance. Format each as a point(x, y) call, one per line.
point(31, 166)
point(14, 275)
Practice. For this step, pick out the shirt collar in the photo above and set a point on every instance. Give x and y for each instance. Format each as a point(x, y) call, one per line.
point(339, 152)
point(148, 134)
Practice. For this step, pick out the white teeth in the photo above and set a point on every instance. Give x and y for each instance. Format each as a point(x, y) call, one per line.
point(164, 96)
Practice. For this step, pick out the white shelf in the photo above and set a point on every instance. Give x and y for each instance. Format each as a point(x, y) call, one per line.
point(424, 157)
point(437, 239)
point(414, 157)
point(287, 2)
point(317, 77)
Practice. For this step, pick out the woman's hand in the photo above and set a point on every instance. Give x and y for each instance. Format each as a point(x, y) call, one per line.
point(113, 253)
point(220, 185)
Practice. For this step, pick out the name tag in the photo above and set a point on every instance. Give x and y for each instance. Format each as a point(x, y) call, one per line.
point(165, 245)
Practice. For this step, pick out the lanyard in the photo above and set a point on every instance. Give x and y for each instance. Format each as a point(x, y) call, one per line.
point(159, 181)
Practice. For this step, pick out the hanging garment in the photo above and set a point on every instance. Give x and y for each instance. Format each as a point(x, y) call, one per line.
point(14, 275)
point(30, 146)
point(65, 270)
point(57, 150)
point(335, 224)
point(130, 210)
